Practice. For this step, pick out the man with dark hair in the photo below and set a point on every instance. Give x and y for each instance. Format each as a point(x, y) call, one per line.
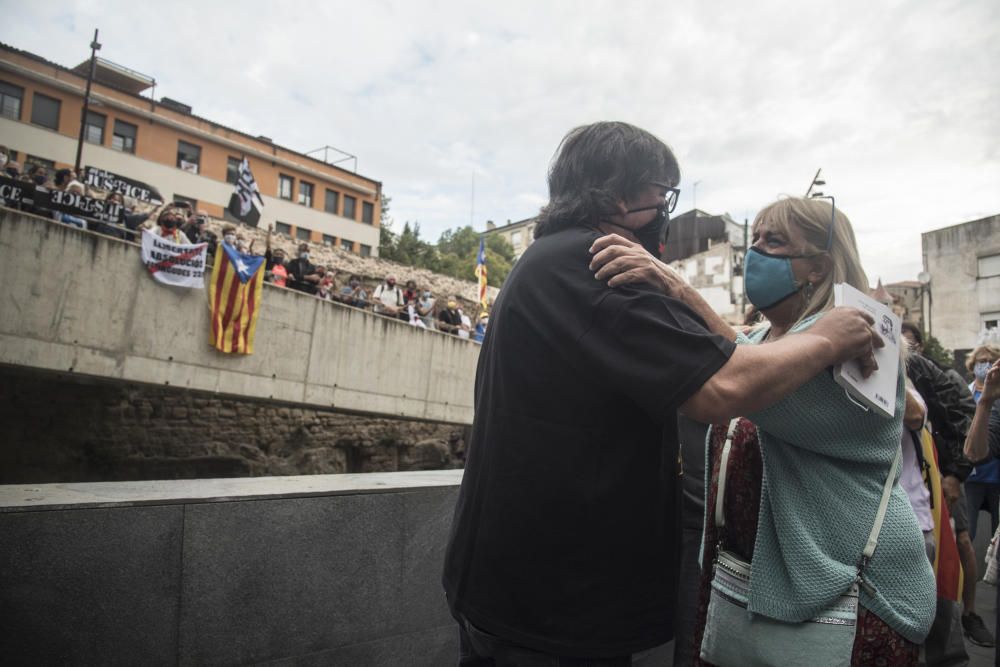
point(302, 275)
point(565, 542)
point(950, 408)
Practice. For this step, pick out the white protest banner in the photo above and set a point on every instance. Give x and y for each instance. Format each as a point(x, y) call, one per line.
point(180, 264)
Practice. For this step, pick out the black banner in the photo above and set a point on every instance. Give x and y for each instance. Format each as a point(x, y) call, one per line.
point(15, 193)
point(106, 180)
point(36, 199)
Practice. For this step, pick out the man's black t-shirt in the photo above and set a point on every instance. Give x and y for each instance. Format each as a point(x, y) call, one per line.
point(298, 269)
point(565, 537)
point(452, 317)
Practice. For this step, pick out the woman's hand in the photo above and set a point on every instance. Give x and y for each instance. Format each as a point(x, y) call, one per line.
point(991, 386)
point(622, 262)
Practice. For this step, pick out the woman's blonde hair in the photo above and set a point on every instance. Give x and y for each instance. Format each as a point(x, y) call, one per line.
point(812, 217)
point(988, 350)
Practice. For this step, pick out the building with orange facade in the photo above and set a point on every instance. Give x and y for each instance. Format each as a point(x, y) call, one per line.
point(185, 157)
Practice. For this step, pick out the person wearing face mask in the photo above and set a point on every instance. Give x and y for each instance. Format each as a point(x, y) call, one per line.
point(37, 174)
point(425, 308)
point(229, 235)
point(565, 540)
point(302, 274)
point(388, 298)
point(274, 263)
point(816, 441)
point(450, 317)
point(169, 223)
point(982, 486)
point(950, 408)
point(353, 293)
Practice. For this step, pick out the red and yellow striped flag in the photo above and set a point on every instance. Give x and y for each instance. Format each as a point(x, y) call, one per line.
point(234, 299)
point(481, 276)
point(947, 565)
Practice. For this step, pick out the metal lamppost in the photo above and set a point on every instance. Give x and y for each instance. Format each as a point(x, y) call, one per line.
point(816, 182)
point(95, 46)
point(925, 288)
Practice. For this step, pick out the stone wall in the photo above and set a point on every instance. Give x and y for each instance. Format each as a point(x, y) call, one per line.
point(64, 429)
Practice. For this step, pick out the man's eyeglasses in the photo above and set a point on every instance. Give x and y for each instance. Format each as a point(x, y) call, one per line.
point(670, 198)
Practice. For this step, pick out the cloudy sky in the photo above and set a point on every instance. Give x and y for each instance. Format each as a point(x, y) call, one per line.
point(898, 102)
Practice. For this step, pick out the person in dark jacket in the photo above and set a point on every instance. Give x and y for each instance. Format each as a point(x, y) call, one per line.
point(950, 408)
point(302, 275)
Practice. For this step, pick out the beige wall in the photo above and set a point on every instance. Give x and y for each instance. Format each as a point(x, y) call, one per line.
point(961, 299)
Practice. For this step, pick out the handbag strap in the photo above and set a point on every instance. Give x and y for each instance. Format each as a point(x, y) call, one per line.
point(880, 515)
point(720, 515)
point(869, 550)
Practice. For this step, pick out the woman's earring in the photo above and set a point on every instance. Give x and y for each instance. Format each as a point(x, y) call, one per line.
point(809, 292)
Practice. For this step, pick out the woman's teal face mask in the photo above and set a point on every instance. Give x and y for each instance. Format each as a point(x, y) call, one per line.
point(768, 279)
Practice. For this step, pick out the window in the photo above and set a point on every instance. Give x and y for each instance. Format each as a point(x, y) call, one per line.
point(283, 228)
point(329, 240)
point(306, 194)
point(515, 239)
point(350, 203)
point(990, 320)
point(188, 157)
point(345, 244)
point(331, 202)
point(187, 200)
point(366, 250)
point(285, 186)
point(989, 266)
point(233, 169)
point(93, 127)
point(123, 138)
point(302, 234)
point(45, 111)
point(11, 98)
point(31, 159)
point(367, 212)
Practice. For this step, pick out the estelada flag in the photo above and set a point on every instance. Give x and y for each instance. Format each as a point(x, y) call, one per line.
point(481, 275)
point(234, 299)
point(947, 565)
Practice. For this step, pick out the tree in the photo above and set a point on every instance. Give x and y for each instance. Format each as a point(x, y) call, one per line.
point(386, 237)
point(935, 351)
point(454, 255)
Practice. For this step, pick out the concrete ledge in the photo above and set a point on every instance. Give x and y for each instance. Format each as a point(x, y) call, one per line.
point(29, 497)
point(332, 569)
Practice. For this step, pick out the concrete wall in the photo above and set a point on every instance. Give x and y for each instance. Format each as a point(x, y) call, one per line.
point(318, 570)
point(960, 298)
point(83, 303)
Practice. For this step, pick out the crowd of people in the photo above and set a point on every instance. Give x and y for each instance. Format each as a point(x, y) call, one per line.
point(412, 304)
point(179, 222)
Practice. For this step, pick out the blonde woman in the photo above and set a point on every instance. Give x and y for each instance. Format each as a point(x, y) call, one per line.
point(805, 476)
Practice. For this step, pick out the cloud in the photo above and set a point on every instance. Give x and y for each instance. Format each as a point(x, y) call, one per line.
point(897, 101)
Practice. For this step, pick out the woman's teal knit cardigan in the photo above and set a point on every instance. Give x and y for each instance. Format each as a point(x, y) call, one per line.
point(825, 463)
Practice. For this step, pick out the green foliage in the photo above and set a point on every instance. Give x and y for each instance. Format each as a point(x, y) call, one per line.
point(934, 351)
point(454, 255)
